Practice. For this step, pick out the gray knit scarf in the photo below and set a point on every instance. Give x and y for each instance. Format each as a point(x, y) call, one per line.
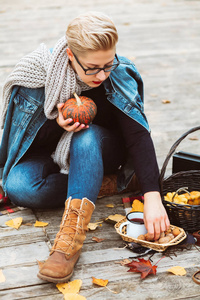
point(41, 68)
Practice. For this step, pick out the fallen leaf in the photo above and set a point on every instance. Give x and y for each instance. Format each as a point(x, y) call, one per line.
point(14, 223)
point(110, 205)
point(137, 205)
point(100, 282)
point(70, 296)
point(177, 270)
point(40, 264)
point(193, 138)
point(93, 226)
point(165, 101)
point(123, 262)
point(40, 224)
point(72, 287)
point(114, 218)
point(2, 277)
point(143, 266)
point(96, 239)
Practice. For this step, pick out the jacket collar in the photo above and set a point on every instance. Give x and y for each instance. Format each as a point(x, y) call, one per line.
point(109, 86)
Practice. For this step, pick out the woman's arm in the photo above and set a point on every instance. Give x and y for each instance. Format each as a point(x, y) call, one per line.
point(142, 153)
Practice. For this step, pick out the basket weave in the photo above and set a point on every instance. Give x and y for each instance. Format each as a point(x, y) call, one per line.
point(184, 216)
point(154, 246)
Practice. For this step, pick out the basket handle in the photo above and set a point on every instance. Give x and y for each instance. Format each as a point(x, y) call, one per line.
point(172, 150)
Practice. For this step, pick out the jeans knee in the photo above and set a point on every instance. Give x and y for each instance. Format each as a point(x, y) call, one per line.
point(21, 192)
point(86, 140)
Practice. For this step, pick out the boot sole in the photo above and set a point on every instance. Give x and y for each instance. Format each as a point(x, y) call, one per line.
point(55, 280)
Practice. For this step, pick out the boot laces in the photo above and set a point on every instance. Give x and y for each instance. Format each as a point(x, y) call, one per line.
point(69, 228)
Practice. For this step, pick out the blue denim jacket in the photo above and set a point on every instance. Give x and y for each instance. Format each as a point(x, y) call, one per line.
point(25, 115)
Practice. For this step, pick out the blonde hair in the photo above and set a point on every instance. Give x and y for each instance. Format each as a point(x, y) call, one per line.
point(91, 31)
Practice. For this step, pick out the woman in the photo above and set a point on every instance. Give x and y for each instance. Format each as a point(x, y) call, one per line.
point(118, 140)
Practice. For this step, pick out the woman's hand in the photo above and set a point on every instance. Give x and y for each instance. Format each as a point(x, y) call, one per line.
point(65, 124)
point(155, 216)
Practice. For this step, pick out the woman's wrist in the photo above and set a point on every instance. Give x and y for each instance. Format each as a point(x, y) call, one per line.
point(153, 196)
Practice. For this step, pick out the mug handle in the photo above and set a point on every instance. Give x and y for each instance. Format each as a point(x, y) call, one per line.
point(122, 225)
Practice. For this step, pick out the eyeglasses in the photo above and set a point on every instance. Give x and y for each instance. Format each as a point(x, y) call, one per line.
point(92, 71)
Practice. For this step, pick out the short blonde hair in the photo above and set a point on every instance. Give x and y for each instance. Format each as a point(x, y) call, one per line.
point(91, 31)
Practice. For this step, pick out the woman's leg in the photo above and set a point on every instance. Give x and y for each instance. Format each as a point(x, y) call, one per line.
point(94, 152)
point(35, 182)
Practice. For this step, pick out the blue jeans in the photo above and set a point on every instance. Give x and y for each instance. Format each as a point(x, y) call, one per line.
point(36, 181)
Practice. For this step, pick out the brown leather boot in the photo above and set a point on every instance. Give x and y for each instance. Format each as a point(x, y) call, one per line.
point(68, 242)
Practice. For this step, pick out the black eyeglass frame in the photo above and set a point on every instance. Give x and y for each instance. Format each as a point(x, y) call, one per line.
point(113, 66)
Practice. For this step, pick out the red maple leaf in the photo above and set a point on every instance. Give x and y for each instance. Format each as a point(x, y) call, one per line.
point(143, 266)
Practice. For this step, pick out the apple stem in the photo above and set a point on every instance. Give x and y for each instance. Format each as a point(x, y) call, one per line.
point(77, 99)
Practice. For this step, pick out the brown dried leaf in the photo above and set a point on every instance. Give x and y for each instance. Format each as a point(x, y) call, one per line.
point(166, 101)
point(193, 138)
point(96, 239)
point(143, 266)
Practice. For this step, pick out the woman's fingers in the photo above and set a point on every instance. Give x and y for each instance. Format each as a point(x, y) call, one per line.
point(66, 124)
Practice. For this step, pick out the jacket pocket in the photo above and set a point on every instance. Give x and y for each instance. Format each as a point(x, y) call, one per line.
point(23, 109)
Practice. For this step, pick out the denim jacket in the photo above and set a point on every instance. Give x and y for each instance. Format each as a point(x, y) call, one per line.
point(25, 116)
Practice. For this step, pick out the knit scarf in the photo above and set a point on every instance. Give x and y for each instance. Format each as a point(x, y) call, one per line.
point(41, 68)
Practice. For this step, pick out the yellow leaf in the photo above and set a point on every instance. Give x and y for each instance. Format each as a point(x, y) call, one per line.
point(114, 218)
point(137, 206)
point(2, 277)
point(70, 296)
point(177, 270)
point(100, 282)
point(123, 262)
point(71, 287)
point(110, 205)
point(40, 224)
point(14, 223)
point(40, 264)
point(93, 226)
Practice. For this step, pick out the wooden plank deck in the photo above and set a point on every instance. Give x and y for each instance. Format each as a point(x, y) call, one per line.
point(162, 38)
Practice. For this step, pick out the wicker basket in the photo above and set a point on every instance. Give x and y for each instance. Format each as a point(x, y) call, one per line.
point(184, 216)
point(154, 246)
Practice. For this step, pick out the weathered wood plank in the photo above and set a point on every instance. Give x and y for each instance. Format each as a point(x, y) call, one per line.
point(21, 236)
point(23, 254)
point(126, 284)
